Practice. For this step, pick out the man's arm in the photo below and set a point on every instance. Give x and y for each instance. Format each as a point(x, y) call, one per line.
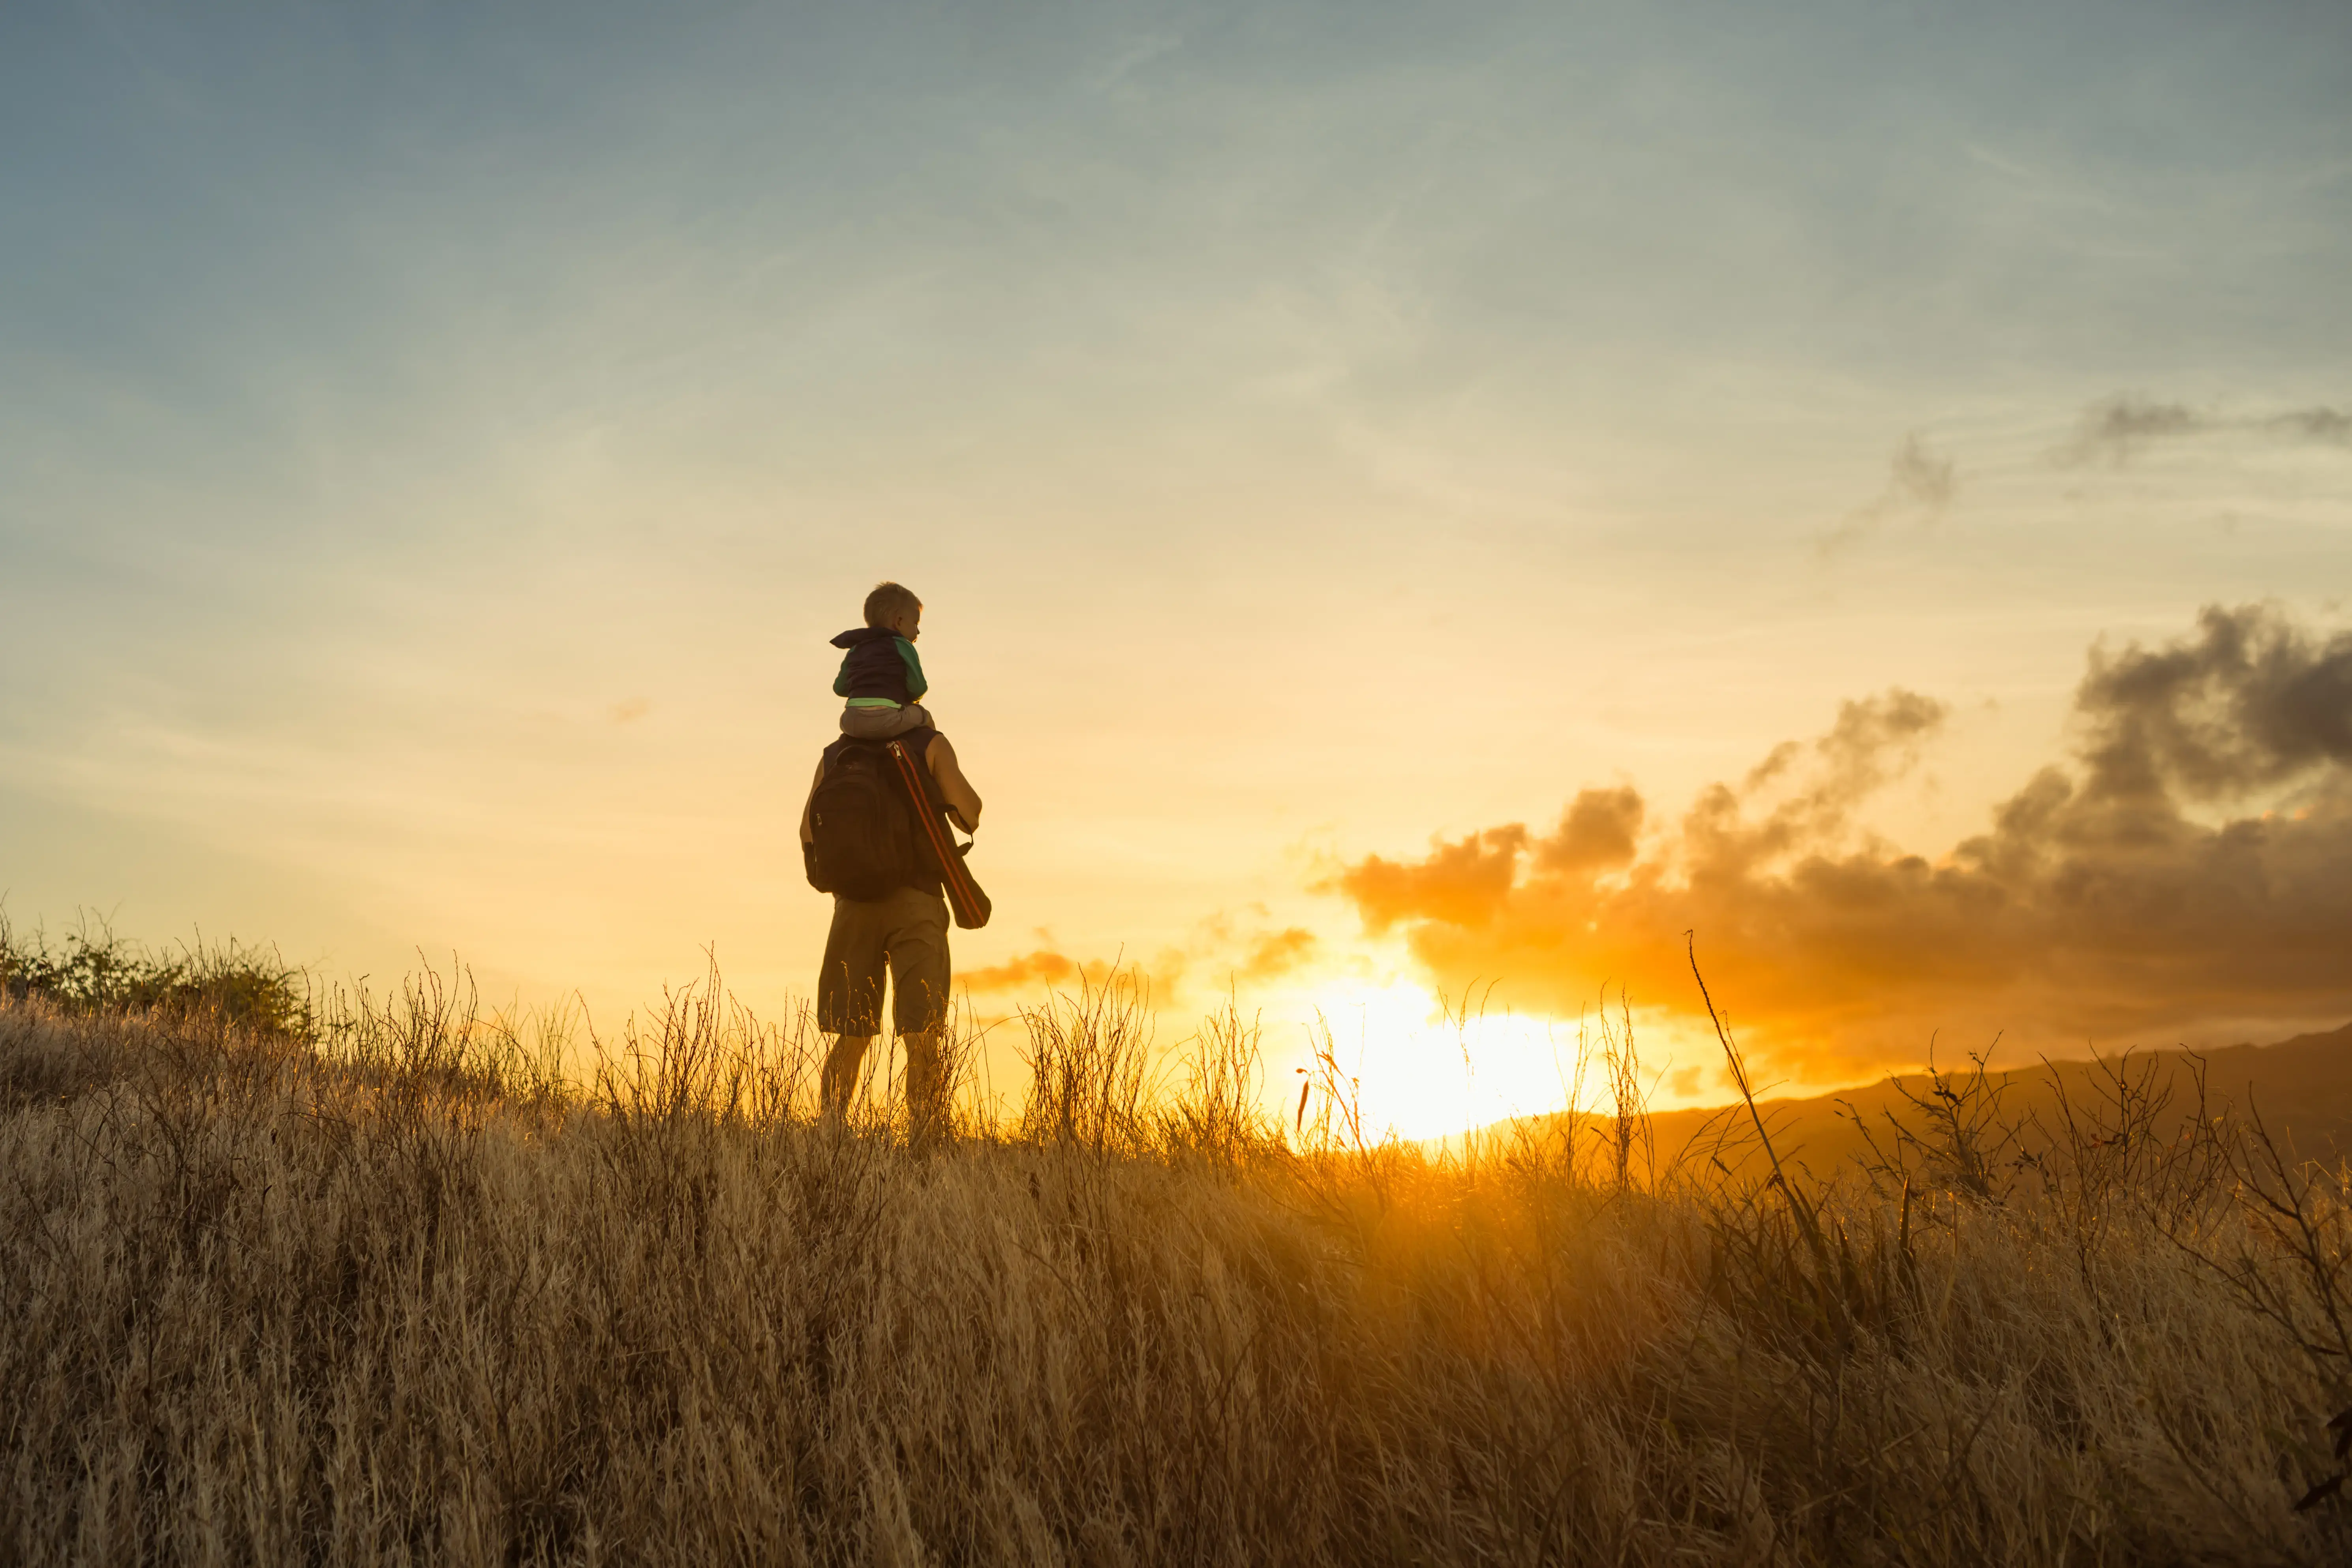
point(962, 800)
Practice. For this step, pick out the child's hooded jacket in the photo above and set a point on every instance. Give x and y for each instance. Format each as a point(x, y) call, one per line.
point(879, 669)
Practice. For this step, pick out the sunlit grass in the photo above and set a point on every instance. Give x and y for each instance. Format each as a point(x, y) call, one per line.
point(380, 1282)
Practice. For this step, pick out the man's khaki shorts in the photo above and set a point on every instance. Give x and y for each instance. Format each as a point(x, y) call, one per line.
point(909, 932)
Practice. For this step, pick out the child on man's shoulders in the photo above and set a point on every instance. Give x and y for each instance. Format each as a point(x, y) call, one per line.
point(881, 676)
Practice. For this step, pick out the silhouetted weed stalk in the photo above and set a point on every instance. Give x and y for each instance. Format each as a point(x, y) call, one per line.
point(399, 1277)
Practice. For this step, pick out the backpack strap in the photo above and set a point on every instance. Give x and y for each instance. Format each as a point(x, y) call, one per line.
point(965, 900)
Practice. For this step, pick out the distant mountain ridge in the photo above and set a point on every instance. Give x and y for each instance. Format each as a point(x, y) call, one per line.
point(2302, 1088)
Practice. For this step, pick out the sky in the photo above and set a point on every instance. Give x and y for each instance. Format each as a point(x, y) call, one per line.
point(1386, 484)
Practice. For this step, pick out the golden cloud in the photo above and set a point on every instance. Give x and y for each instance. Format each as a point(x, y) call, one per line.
point(1042, 970)
point(1245, 956)
point(2094, 905)
point(1277, 953)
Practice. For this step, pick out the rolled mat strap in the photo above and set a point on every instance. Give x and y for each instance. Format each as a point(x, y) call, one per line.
point(966, 901)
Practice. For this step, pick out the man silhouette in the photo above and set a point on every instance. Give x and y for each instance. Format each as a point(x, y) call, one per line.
point(906, 931)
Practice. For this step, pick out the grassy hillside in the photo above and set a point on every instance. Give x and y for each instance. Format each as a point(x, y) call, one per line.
point(369, 1281)
point(2300, 1090)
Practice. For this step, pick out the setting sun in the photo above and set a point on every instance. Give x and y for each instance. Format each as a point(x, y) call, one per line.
point(1417, 1070)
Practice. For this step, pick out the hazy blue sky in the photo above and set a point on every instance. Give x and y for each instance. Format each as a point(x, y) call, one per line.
point(435, 443)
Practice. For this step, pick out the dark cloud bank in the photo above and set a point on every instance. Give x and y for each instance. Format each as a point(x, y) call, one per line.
point(2189, 867)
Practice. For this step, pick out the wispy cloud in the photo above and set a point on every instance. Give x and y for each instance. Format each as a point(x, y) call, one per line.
point(1921, 486)
point(2116, 430)
point(1218, 946)
point(2327, 425)
point(1042, 970)
point(1277, 953)
point(1112, 76)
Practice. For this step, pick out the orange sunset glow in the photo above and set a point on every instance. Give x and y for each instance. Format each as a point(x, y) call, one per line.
point(1407, 519)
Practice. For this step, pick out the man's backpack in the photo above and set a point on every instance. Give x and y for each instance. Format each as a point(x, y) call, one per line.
point(863, 845)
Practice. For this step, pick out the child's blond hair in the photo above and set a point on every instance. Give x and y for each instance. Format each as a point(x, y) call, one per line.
point(887, 602)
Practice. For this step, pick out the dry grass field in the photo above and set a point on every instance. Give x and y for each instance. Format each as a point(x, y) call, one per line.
point(369, 1280)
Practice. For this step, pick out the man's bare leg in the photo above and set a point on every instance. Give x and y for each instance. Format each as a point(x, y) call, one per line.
point(840, 1078)
point(927, 1088)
